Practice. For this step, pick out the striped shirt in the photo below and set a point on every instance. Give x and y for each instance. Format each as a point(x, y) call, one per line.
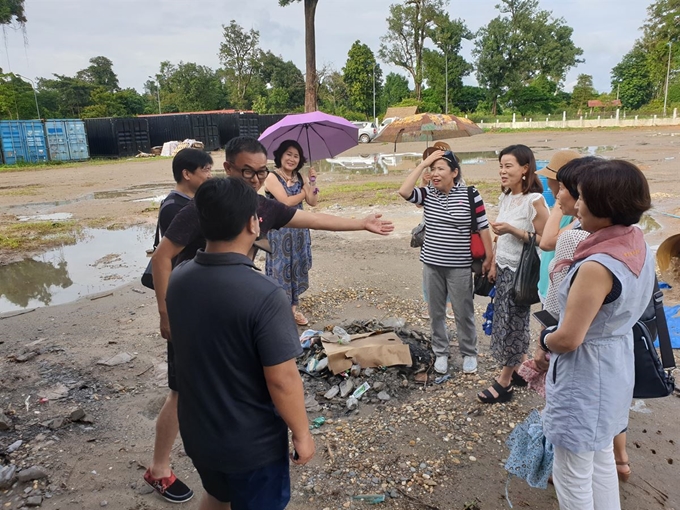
point(447, 220)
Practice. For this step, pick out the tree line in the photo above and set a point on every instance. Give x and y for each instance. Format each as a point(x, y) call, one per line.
point(520, 60)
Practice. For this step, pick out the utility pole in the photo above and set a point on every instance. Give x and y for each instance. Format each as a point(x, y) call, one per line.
point(373, 90)
point(668, 73)
point(158, 96)
point(446, 77)
point(35, 95)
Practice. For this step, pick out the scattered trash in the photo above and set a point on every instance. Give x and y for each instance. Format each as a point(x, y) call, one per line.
point(346, 387)
point(138, 291)
point(639, 406)
point(56, 392)
point(371, 499)
point(14, 446)
point(309, 337)
point(352, 403)
point(394, 322)
point(442, 379)
point(355, 370)
point(359, 392)
point(118, 359)
point(343, 336)
point(317, 422)
point(43, 400)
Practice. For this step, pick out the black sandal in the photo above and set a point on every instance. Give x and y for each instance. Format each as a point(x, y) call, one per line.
point(504, 394)
point(518, 380)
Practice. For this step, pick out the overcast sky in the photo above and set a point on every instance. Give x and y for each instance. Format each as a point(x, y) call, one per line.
point(138, 34)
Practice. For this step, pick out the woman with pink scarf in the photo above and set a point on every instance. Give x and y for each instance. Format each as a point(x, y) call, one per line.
point(591, 373)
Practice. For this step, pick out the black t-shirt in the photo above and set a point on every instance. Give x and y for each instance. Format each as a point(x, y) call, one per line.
point(228, 321)
point(185, 229)
point(170, 207)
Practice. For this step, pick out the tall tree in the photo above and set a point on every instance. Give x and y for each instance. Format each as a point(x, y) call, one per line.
point(447, 36)
point(100, 74)
point(632, 78)
point(408, 27)
point(12, 11)
point(363, 77)
point(188, 87)
point(279, 76)
point(311, 99)
point(333, 93)
point(239, 54)
point(519, 45)
point(661, 30)
point(395, 90)
point(583, 91)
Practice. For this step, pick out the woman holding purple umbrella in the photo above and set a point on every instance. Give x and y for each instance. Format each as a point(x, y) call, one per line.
point(291, 257)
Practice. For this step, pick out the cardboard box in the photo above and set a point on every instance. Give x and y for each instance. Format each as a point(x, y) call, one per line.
point(368, 350)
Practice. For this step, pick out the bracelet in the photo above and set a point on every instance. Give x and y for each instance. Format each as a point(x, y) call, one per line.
point(543, 337)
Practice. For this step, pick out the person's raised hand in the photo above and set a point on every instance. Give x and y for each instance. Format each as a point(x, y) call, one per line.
point(438, 154)
point(374, 224)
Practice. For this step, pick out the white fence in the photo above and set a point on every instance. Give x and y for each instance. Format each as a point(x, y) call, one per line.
point(581, 122)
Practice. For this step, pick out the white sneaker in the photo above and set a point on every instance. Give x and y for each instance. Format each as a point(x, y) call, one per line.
point(469, 364)
point(441, 364)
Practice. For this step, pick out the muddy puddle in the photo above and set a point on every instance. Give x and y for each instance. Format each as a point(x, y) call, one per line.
point(393, 163)
point(100, 261)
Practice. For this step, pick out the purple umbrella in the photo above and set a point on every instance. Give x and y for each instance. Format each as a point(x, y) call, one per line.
point(320, 135)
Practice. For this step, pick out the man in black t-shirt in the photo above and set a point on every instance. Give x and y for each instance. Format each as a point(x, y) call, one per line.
point(246, 158)
point(236, 343)
point(190, 168)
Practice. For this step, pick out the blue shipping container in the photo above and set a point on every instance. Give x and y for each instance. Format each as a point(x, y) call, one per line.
point(22, 140)
point(66, 140)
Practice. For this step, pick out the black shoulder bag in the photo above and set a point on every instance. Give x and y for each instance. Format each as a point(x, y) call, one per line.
point(147, 276)
point(653, 377)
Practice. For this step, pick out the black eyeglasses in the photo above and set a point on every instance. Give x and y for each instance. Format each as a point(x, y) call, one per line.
point(249, 173)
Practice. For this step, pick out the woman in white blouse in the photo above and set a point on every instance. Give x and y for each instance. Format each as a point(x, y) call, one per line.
point(522, 210)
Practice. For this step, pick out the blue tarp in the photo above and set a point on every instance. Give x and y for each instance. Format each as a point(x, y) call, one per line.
point(673, 319)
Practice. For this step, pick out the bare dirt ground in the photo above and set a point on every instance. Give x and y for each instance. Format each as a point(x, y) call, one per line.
point(429, 446)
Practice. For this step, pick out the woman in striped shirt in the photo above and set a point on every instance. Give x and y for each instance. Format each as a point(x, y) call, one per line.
point(446, 253)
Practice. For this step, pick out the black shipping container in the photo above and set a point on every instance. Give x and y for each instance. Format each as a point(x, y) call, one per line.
point(269, 120)
point(117, 137)
point(228, 126)
point(203, 127)
point(248, 125)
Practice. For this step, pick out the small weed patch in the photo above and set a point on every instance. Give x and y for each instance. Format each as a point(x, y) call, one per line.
point(30, 236)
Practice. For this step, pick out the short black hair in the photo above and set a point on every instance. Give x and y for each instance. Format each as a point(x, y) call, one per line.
point(524, 156)
point(615, 189)
point(189, 160)
point(281, 150)
point(569, 174)
point(240, 144)
point(224, 207)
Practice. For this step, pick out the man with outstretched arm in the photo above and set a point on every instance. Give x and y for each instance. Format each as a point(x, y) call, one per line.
point(236, 343)
point(246, 158)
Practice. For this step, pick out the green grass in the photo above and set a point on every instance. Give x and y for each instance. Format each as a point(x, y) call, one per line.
point(30, 236)
point(22, 166)
point(360, 194)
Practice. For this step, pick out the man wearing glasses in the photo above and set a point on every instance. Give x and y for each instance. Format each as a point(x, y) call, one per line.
point(246, 158)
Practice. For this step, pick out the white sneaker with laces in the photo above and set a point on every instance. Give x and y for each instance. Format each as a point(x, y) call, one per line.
point(469, 364)
point(441, 364)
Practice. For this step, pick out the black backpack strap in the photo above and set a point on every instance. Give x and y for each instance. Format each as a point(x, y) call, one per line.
point(473, 214)
point(167, 201)
point(665, 347)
